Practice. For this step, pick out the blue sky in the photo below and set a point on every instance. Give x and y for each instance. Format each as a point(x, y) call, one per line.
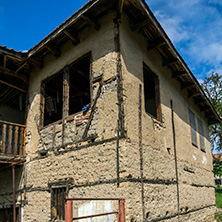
point(193, 26)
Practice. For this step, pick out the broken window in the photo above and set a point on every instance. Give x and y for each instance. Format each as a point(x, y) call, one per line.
point(58, 203)
point(67, 92)
point(193, 128)
point(201, 133)
point(151, 93)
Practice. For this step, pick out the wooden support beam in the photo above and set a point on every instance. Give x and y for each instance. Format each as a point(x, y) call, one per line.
point(194, 94)
point(73, 37)
point(76, 69)
point(54, 50)
point(200, 102)
point(179, 74)
point(91, 22)
point(137, 26)
point(21, 66)
point(13, 74)
point(36, 61)
point(205, 108)
point(13, 86)
point(187, 85)
point(170, 62)
point(5, 61)
point(120, 7)
point(155, 45)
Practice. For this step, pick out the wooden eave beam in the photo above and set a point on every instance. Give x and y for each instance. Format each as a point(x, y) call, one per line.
point(74, 38)
point(36, 61)
point(187, 85)
point(194, 94)
point(13, 86)
point(137, 26)
point(155, 45)
point(13, 74)
point(170, 62)
point(179, 74)
point(205, 108)
point(54, 50)
point(200, 102)
point(91, 22)
point(5, 61)
point(21, 66)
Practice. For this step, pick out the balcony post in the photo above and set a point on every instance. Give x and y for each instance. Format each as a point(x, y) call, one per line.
point(68, 211)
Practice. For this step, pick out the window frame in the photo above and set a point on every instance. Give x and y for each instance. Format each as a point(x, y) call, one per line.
point(65, 108)
point(194, 143)
point(157, 93)
point(201, 135)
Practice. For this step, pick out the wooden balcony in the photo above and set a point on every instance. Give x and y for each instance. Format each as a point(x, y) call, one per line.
point(12, 139)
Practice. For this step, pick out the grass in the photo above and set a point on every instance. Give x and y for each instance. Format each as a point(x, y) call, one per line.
point(218, 216)
point(218, 193)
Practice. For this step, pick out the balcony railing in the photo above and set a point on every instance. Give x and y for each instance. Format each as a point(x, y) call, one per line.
point(12, 138)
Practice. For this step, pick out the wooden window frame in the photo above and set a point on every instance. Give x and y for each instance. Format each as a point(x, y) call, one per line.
point(65, 108)
point(194, 143)
point(157, 93)
point(201, 135)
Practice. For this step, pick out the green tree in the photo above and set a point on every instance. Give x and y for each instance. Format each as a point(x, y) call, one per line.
point(212, 86)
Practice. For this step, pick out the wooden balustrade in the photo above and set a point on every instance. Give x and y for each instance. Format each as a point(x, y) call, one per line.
point(12, 138)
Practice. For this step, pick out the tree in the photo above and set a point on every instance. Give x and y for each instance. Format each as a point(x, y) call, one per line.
point(212, 85)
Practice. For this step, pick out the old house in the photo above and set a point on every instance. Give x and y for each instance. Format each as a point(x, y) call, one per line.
point(104, 108)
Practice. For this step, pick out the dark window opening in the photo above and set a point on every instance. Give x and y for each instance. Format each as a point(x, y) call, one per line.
point(58, 203)
point(151, 93)
point(53, 99)
point(201, 132)
point(193, 128)
point(67, 92)
point(79, 87)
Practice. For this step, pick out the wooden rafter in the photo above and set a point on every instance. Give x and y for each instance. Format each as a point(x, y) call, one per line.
point(73, 37)
point(120, 7)
point(21, 66)
point(187, 85)
point(155, 45)
point(13, 74)
point(36, 61)
point(170, 62)
point(76, 69)
point(5, 61)
point(137, 26)
point(13, 86)
point(54, 50)
point(92, 22)
point(179, 74)
point(194, 94)
point(200, 102)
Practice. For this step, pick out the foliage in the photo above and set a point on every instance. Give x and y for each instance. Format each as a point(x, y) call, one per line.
point(218, 216)
point(218, 194)
point(212, 86)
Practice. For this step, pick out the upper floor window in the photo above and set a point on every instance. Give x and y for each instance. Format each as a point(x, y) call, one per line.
point(193, 128)
point(151, 93)
point(66, 92)
point(201, 133)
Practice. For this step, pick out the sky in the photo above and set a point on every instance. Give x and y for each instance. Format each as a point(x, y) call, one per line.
point(194, 27)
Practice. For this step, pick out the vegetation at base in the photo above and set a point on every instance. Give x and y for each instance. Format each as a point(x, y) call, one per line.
point(218, 216)
point(218, 194)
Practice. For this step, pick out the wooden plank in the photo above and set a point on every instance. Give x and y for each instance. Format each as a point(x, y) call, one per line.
point(65, 92)
point(15, 124)
point(3, 137)
point(10, 140)
point(22, 137)
point(5, 61)
point(73, 37)
point(13, 86)
point(9, 72)
point(155, 45)
point(179, 74)
point(16, 141)
point(21, 66)
point(92, 22)
point(54, 50)
point(36, 61)
point(120, 7)
point(139, 25)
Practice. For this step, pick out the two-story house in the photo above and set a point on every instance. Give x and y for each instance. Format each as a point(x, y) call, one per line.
point(105, 112)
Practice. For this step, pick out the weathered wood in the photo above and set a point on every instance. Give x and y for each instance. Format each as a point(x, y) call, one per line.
point(200, 102)
point(170, 62)
point(155, 45)
point(36, 61)
point(5, 61)
point(91, 22)
point(21, 66)
point(13, 74)
point(139, 25)
point(120, 7)
point(65, 92)
point(4, 137)
point(73, 37)
point(178, 74)
point(16, 141)
point(54, 50)
point(76, 69)
point(187, 85)
point(13, 86)
point(42, 105)
point(194, 94)
point(9, 150)
point(22, 137)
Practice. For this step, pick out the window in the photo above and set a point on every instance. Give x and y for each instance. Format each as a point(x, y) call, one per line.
point(66, 92)
point(151, 93)
point(193, 128)
point(58, 203)
point(201, 133)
